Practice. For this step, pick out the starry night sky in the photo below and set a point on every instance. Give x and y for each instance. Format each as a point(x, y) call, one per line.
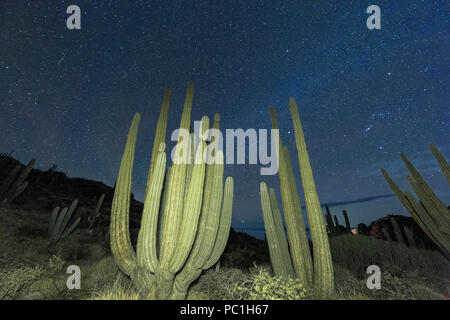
point(68, 96)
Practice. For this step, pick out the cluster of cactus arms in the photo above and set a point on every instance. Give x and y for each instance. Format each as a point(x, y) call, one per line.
point(296, 259)
point(347, 221)
point(334, 227)
point(15, 183)
point(430, 213)
point(187, 210)
point(59, 227)
point(96, 213)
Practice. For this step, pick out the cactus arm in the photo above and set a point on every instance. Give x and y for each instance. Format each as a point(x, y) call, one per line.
point(347, 221)
point(56, 233)
point(398, 231)
point(323, 267)
point(336, 221)
point(293, 216)
point(9, 180)
point(445, 167)
point(71, 228)
point(431, 201)
point(273, 240)
point(21, 178)
point(409, 236)
point(163, 208)
point(20, 189)
point(224, 225)
point(52, 222)
point(121, 247)
point(99, 204)
point(210, 216)
point(68, 215)
point(190, 165)
point(279, 228)
point(329, 219)
point(192, 208)
point(174, 207)
point(160, 135)
point(397, 191)
point(146, 246)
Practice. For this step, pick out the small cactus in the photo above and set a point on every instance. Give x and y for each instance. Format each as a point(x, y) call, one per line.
point(58, 226)
point(15, 183)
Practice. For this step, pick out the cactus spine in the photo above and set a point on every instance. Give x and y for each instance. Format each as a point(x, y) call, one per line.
point(182, 232)
point(428, 211)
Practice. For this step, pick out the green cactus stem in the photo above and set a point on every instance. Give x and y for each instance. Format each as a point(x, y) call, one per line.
point(323, 267)
point(59, 223)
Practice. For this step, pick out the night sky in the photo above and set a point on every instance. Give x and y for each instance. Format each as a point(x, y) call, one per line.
point(364, 96)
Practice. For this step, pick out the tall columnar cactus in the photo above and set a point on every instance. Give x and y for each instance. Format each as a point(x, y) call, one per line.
point(15, 183)
point(182, 232)
point(58, 227)
point(347, 221)
point(323, 267)
point(320, 273)
point(279, 227)
point(428, 211)
point(275, 236)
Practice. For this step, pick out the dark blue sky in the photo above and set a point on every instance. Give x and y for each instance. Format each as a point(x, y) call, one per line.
point(68, 96)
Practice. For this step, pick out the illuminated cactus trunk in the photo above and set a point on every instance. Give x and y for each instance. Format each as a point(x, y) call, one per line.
point(280, 265)
point(284, 247)
point(214, 225)
point(329, 219)
point(295, 224)
point(170, 226)
point(323, 267)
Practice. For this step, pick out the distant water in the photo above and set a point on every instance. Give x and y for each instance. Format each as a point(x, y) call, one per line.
point(257, 231)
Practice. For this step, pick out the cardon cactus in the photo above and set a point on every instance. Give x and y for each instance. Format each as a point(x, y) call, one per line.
point(430, 213)
point(58, 227)
point(318, 273)
point(347, 221)
point(182, 232)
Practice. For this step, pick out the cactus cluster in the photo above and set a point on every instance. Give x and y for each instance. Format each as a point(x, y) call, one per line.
point(187, 210)
point(334, 227)
point(430, 213)
point(15, 183)
point(297, 260)
point(58, 227)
